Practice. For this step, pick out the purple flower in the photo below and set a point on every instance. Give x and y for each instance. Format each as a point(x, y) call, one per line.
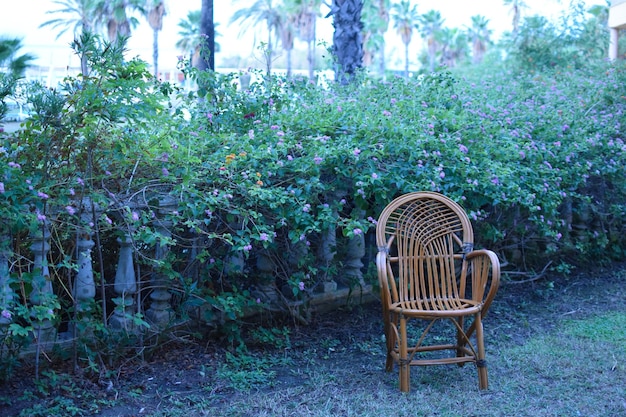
point(251, 134)
point(43, 196)
point(386, 113)
point(317, 160)
point(274, 127)
point(306, 208)
point(374, 175)
point(107, 219)
point(356, 151)
point(135, 216)
point(264, 237)
point(40, 217)
point(442, 175)
point(248, 247)
point(14, 165)
point(80, 181)
point(1, 187)
point(357, 231)
point(6, 314)
point(463, 148)
point(301, 286)
point(280, 133)
point(71, 210)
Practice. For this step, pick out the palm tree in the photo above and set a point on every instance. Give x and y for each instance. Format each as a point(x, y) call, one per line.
point(16, 66)
point(207, 30)
point(305, 13)
point(405, 18)
point(430, 26)
point(114, 16)
point(262, 11)
point(516, 11)
point(454, 46)
point(287, 32)
point(479, 37)
point(156, 11)
point(80, 15)
point(375, 17)
point(347, 41)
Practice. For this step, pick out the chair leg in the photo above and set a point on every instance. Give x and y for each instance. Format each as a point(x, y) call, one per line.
point(405, 369)
point(481, 364)
point(460, 340)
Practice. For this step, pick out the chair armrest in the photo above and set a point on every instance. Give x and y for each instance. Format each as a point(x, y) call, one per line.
point(485, 275)
point(382, 266)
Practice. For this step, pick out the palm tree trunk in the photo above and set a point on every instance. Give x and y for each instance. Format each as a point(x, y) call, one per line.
point(155, 52)
point(207, 27)
point(406, 60)
point(311, 53)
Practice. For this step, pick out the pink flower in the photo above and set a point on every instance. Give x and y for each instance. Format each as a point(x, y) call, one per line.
point(357, 231)
point(356, 152)
point(280, 133)
point(14, 165)
point(317, 160)
point(248, 247)
point(107, 219)
point(442, 175)
point(374, 175)
point(80, 181)
point(274, 127)
point(251, 134)
point(386, 113)
point(42, 195)
point(135, 216)
point(264, 237)
point(40, 217)
point(71, 210)
point(463, 148)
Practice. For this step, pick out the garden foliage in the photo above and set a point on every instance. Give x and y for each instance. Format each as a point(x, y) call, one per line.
point(240, 175)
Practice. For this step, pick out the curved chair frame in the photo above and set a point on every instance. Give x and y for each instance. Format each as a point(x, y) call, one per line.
point(427, 269)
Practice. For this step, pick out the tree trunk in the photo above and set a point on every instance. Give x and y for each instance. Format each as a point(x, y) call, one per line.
point(155, 52)
point(207, 28)
point(347, 41)
point(406, 60)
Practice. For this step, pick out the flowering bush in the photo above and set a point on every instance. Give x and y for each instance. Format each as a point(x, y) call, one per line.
point(240, 189)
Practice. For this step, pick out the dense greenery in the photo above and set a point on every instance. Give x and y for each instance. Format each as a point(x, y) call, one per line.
point(246, 176)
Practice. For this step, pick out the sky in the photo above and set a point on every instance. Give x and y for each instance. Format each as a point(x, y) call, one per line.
point(21, 18)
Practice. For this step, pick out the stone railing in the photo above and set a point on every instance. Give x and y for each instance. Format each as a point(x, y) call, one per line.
point(130, 292)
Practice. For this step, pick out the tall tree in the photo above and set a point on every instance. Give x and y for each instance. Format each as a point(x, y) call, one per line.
point(79, 15)
point(156, 11)
point(405, 19)
point(207, 30)
point(15, 65)
point(115, 16)
point(375, 17)
point(516, 11)
point(306, 13)
point(430, 26)
point(287, 31)
point(454, 46)
point(479, 35)
point(347, 40)
point(262, 12)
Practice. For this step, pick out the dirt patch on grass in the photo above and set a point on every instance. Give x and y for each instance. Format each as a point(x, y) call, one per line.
point(334, 366)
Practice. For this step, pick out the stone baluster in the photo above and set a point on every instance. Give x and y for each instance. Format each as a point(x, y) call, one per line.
point(266, 270)
point(326, 253)
point(84, 284)
point(42, 291)
point(6, 293)
point(353, 263)
point(160, 312)
point(125, 286)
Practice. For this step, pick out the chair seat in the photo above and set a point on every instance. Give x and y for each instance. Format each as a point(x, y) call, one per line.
point(437, 307)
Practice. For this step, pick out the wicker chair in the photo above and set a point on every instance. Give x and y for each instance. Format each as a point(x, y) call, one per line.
point(427, 269)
